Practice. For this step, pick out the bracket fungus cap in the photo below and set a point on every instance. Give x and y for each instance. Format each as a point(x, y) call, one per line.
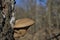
point(25, 22)
point(19, 33)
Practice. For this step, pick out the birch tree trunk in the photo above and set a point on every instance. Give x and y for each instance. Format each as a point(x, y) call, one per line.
point(7, 30)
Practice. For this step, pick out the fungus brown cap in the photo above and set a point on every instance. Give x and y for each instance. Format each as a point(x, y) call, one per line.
point(19, 33)
point(25, 22)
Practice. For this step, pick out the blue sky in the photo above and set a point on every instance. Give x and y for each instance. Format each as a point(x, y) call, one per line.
point(18, 2)
point(43, 2)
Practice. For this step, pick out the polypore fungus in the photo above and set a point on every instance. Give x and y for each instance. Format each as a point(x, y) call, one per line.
point(21, 26)
point(19, 33)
